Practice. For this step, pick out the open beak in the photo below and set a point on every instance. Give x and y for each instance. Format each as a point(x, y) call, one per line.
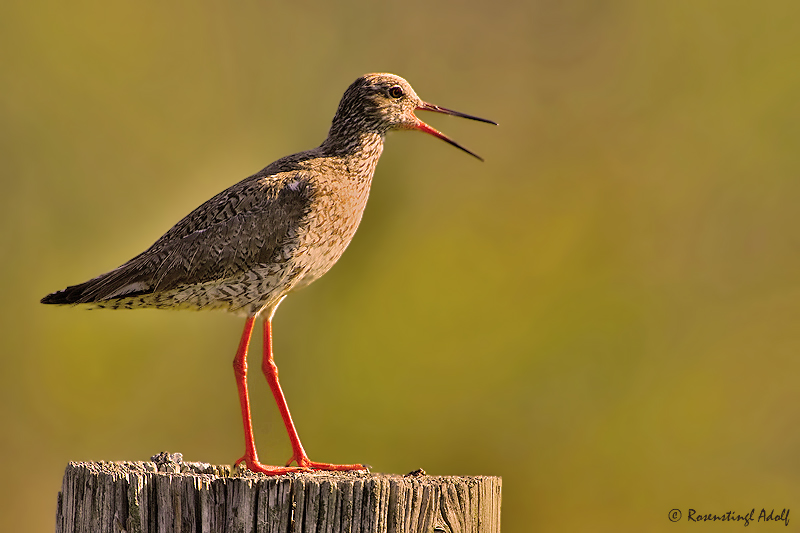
point(421, 126)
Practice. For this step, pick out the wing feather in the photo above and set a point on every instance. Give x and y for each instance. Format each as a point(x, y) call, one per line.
point(237, 230)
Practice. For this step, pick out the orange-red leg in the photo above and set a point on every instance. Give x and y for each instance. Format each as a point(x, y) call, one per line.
point(271, 372)
point(250, 457)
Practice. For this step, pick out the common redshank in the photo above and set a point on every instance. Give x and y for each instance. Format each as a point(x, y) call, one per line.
point(246, 248)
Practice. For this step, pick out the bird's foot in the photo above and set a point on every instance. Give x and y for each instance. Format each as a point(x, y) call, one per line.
point(304, 463)
point(254, 465)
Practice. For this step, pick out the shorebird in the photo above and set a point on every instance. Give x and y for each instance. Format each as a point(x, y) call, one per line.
point(272, 233)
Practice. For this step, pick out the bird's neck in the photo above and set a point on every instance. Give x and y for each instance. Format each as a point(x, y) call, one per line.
point(358, 151)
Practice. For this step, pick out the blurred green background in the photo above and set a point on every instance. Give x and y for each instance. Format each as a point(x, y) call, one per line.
point(605, 312)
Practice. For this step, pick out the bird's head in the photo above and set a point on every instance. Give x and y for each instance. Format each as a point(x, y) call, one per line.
point(383, 102)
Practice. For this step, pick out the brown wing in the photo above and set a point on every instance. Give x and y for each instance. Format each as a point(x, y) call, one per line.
point(232, 232)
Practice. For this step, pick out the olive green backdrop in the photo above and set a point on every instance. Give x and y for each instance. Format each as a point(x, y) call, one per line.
point(605, 312)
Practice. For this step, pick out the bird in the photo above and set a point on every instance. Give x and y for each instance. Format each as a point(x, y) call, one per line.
point(245, 249)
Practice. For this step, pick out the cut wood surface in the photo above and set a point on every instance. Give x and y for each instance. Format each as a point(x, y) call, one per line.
point(168, 495)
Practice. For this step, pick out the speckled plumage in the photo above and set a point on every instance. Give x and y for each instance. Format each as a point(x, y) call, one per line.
point(246, 247)
point(280, 229)
point(275, 231)
point(271, 233)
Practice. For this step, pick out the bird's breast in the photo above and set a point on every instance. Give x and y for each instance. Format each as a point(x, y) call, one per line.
point(329, 226)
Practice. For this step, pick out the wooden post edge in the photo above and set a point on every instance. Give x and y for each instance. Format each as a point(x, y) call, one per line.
point(167, 494)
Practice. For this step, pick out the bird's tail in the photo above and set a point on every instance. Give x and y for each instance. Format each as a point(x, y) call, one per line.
point(125, 281)
point(70, 295)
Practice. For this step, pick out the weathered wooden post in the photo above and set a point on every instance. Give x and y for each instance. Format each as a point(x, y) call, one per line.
point(168, 495)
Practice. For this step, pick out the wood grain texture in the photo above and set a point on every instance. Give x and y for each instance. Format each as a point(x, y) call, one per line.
point(198, 497)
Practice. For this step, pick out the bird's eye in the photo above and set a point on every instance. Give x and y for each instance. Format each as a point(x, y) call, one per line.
point(396, 92)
